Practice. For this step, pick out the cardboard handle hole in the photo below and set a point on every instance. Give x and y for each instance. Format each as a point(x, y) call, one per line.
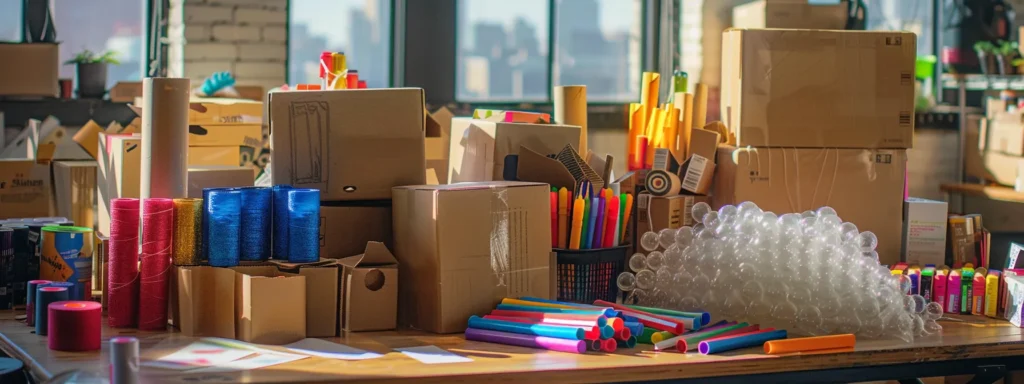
point(374, 280)
point(349, 188)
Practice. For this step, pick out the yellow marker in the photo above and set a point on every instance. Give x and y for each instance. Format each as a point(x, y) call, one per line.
point(577, 224)
point(991, 293)
point(563, 215)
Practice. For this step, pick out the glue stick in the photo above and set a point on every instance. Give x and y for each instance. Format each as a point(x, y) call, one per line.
point(939, 287)
point(992, 293)
point(914, 273)
point(953, 292)
point(966, 295)
point(927, 278)
point(978, 292)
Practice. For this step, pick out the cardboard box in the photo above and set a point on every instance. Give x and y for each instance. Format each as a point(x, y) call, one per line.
point(235, 135)
point(864, 186)
point(226, 156)
point(1001, 168)
point(1005, 134)
point(29, 69)
point(819, 89)
point(438, 138)
point(345, 230)
point(74, 191)
point(24, 189)
point(270, 307)
point(218, 176)
point(118, 173)
point(369, 290)
point(666, 212)
point(205, 301)
point(450, 266)
point(350, 144)
point(792, 14)
point(924, 231)
point(479, 148)
point(698, 171)
point(99, 267)
point(222, 111)
point(126, 91)
point(321, 294)
point(961, 248)
point(1014, 300)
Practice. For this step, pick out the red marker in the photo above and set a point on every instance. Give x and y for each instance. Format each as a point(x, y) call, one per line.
point(554, 219)
point(610, 219)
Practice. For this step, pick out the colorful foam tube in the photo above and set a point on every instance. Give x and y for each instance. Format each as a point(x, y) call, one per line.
point(594, 345)
point(707, 347)
point(713, 331)
point(601, 320)
point(623, 334)
point(689, 344)
point(628, 343)
point(609, 312)
point(563, 322)
point(616, 323)
point(807, 344)
point(578, 305)
point(703, 316)
point(593, 332)
point(658, 322)
point(607, 332)
point(530, 341)
point(609, 345)
point(691, 323)
point(635, 328)
point(645, 336)
point(661, 335)
point(509, 307)
point(554, 331)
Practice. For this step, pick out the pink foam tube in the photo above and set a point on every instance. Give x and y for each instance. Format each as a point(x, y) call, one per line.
point(541, 342)
point(593, 332)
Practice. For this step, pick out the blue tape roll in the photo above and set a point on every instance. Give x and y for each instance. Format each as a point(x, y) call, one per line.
point(303, 225)
point(255, 231)
point(204, 252)
point(280, 209)
point(222, 230)
point(737, 342)
point(561, 332)
point(43, 300)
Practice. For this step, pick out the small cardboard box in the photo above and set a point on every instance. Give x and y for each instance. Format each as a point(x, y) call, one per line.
point(450, 242)
point(345, 229)
point(321, 295)
point(205, 301)
point(225, 155)
point(792, 14)
point(29, 69)
point(74, 191)
point(214, 176)
point(666, 212)
point(479, 148)
point(369, 290)
point(924, 231)
point(818, 88)
point(250, 135)
point(961, 241)
point(698, 171)
point(24, 189)
point(270, 307)
point(222, 111)
point(865, 186)
point(350, 144)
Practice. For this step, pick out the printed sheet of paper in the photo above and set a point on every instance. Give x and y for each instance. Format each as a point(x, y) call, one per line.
point(330, 350)
point(433, 355)
point(257, 361)
point(197, 355)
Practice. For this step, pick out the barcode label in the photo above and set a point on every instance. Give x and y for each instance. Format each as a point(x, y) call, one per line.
point(642, 201)
point(905, 118)
point(906, 78)
point(969, 227)
point(688, 211)
point(661, 159)
point(694, 173)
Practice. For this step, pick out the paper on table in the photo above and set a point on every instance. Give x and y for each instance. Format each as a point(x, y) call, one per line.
point(198, 354)
point(430, 354)
point(324, 348)
point(257, 361)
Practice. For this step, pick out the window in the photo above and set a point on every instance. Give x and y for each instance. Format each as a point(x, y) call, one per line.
point(502, 51)
point(597, 44)
point(359, 28)
point(10, 20)
point(121, 30)
point(903, 15)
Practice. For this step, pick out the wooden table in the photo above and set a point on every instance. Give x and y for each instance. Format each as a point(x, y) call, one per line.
point(961, 349)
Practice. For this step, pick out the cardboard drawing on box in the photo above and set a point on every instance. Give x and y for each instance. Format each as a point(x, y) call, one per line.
point(369, 290)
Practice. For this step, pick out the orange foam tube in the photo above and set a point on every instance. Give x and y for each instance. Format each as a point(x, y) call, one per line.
point(806, 344)
point(616, 323)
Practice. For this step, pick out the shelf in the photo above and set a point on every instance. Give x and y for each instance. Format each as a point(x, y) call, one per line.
point(976, 82)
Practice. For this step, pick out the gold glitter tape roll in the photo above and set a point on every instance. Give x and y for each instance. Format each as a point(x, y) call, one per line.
point(187, 231)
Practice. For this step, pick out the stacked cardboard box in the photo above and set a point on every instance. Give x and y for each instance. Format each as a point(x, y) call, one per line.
point(811, 134)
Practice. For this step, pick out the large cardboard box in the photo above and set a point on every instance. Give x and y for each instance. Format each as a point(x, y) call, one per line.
point(479, 148)
point(221, 111)
point(864, 186)
point(369, 290)
point(223, 155)
point(819, 89)
point(74, 191)
point(24, 189)
point(218, 176)
point(270, 308)
point(666, 212)
point(463, 247)
point(345, 229)
point(924, 231)
point(792, 14)
point(28, 69)
point(350, 144)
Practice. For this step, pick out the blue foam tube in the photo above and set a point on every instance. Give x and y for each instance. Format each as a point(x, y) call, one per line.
point(560, 332)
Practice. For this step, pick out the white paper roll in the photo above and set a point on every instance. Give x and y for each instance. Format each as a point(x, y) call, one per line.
point(164, 137)
point(124, 360)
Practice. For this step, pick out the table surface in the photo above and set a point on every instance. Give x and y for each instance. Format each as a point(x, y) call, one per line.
point(976, 337)
point(993, 192)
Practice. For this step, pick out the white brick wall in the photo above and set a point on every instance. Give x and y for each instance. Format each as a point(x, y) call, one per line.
point(246, 37)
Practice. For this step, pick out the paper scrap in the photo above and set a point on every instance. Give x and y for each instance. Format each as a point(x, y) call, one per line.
point(430, 354)
point(257, 361)
point(327, 349)
point(199, 354)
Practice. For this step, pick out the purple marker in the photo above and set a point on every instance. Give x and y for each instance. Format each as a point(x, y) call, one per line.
point(599, 225)
point(594, 205)
point(549, 343)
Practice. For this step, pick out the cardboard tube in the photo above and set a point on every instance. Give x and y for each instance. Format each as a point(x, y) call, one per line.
point(687, 127)
point(164, 137)
point(571, 109)
point(636, 128)
point(672, 133)
point(653, 139)
point(806, 344)
point(700, 106)
point(649, 85)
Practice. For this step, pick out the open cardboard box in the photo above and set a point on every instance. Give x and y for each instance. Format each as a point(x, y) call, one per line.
point(369, 290)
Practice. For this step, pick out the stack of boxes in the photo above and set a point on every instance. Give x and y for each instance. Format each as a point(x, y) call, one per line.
point(224, 132)
point(821, 118)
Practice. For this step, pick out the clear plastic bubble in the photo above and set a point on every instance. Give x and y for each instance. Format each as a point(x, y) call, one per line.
point(655, 260)
point(637, 262)
point(626, 281)
point(933, 311)
point(806, 214)
point(688, 303)
point(674, 257)
point(848, 231)
point(667, 237)
point(727, 212)
point(711, 221)
point(826, 211)
point(649, 241)
point(699, 210)
point(868, 240)
point(904, 285)
point(932, 327)
point(636, 297)
point(684, 236)
point(663, 278)
point(645, 279)
point(919, 303)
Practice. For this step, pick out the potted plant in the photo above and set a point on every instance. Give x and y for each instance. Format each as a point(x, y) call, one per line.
point(986, 57)
point(1006, 51)
point(91, 72)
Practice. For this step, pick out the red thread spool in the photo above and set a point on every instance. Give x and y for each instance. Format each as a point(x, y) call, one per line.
point(74, 326)
point(157, 229)
point(123, 263)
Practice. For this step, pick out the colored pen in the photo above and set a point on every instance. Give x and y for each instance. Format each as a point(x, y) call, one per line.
point(599, 224)
point(618, 221)
point(554, 219)
point(563, 215)
point(594, 205)
point(577, 224)
point(625, 218)
point(584, 234)
point(611, 217)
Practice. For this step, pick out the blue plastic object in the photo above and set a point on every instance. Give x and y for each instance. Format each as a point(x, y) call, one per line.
point(223, 208)
point(216, 82)
point(303, 225)
point(280, 209)
point(561, 332)
point(255, 231)
point(736, 342)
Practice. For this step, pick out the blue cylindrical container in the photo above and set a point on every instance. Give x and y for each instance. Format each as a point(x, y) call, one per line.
point(303, 225)
point(741, 341)
point(204, 248)
point(255, 231)
point(280, 203)
point(556, 331)
point(223, 208)
point(44, 297)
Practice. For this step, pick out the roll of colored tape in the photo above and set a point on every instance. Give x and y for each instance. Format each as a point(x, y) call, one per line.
point(45, 297)
point(30, 301)
point(74, 326)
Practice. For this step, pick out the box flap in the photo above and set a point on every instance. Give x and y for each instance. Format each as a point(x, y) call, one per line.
point(536, 167)
point(294, 267)
point(376, 255)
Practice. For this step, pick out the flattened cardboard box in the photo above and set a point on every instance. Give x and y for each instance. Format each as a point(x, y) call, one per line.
point(479, 148)
point(24, 189)
point(350, 144)
point(345, 230)
point(369, 290)
point(443, 245)
point(865, 186)
point(819, 89)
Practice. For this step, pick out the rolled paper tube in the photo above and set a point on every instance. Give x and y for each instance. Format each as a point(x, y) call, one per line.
point(687, 344)
point(635, 328)
point(741, 341)
point(30, 300)
point(74, 326)
point(609, 345)
point(44, 297)
point(556, 331)
point(569, 322)
point(570, 305)
point(704, 316)
point(155, 262)
point(530, 341)
point(807, 344)
point(713, 331)
point(594, 345)
point(123, 263)
point(644, 337)
point(623, 334)
point(690, 323)
point(646, 317)
point(607, 332)
point(639, 153)
point(609, 312)
point(628, 343)
point(601, 320)
point(549, 310)
point(661, 335)
point(593, 332)
point(616, 323)
point(124, 360)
